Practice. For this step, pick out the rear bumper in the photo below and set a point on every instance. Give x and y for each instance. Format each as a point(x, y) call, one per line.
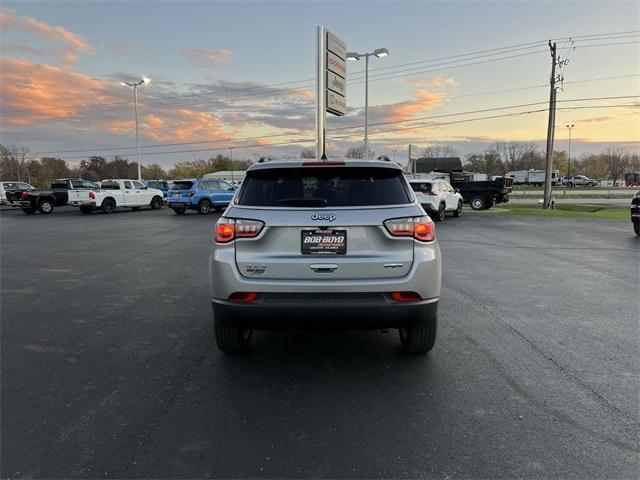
point(81, 203)
point(305, 311)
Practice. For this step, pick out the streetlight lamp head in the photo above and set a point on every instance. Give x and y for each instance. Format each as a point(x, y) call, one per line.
point(353, 56)
point(381, 52)
point(146, 80)
point(124, 84)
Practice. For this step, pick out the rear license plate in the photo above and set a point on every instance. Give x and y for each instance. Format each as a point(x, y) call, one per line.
point(324, 242)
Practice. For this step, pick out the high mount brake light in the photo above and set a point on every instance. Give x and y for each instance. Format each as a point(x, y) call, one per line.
point(321, 164)
point(420, 228)
point(228, 229)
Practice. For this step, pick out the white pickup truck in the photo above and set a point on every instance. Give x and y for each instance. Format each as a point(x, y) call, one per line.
point(116, 193)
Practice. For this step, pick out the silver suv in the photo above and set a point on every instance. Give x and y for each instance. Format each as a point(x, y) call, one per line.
point(336, 244)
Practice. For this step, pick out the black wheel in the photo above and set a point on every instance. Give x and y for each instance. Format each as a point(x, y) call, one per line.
point(458, 211)
point(46, 206)
point(636, 227)
point(477, 203)
point(204, 207)
point(29, 211)
point(420, 337)
point(230, 338)
point(108, 205)
point(440, 214)
point(180, 210)
point(156, 203)
point(86, 209)
point(488, 204)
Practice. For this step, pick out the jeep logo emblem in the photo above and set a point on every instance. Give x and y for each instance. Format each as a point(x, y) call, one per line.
point(330, 217)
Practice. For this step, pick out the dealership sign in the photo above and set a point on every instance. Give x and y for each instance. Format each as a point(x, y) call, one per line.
point(336, 75)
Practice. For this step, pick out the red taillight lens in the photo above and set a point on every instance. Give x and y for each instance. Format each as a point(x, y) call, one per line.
point(406, 296)
point(243, 297)
point(420, 228)
point(92, 195)
point(24, 194)
point(228, 229)
point(191, 194)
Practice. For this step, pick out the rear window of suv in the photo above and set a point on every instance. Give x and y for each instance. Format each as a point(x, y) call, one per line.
point(323, 187)
point(182, 185)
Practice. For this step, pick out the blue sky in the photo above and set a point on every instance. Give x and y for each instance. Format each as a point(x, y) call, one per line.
point(272, 42)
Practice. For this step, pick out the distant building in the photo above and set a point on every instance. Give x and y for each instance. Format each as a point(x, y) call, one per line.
point(235, 176)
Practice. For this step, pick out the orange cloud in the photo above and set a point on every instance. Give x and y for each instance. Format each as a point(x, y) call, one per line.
point(35, 92)
point(438, 81)
point(119, 126)
point(424, 102)
point(67, 54)
point(183, 125)
point(207, 58)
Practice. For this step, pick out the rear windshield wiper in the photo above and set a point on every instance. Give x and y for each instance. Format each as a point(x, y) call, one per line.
point(303, 202)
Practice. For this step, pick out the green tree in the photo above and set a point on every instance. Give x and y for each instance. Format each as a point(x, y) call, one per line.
point(153, 172)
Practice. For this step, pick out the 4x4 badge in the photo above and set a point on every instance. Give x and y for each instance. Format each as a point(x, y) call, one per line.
point(323, 216)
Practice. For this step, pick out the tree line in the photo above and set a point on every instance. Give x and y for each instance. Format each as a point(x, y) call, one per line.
point(17, 163)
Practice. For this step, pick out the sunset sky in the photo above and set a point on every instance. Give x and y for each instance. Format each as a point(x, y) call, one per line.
point(244, 70)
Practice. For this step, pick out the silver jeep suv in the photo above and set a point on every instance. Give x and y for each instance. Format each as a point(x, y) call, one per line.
point(335, 244)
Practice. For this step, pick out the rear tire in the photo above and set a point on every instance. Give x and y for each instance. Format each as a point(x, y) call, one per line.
point(420, 337)
point(46, 207)
point(204, 207)
point(108, 205)
point(477, 203)
point(489, 204)
point(458, 211)
point(86, 209)
point(156, 203)
point(230, 338)
point(440, 214)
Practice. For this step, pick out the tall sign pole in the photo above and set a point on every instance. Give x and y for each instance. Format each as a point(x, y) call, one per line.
point(321, 99)
point(331, 84)
point(550, 129)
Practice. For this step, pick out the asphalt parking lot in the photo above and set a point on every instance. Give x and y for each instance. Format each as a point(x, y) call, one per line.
point(109, 367)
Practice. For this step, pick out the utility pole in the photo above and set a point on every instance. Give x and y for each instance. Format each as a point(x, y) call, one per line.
point(550, 129)
point(231, 156)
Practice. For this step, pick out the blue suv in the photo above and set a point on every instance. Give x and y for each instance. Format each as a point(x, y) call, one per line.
point(202, 195)
point(161, 185)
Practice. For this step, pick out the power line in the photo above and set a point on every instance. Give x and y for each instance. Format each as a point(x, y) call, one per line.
point(350, 127)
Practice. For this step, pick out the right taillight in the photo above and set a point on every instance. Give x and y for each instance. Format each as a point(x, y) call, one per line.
point(228, 229)
point(420, 228)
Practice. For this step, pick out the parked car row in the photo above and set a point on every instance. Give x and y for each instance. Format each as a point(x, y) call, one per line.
point(203, 196)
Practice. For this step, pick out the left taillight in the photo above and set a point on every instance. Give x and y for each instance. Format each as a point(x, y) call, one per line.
point(92, 195)
point(420, 228)
point(24, 194)
point(228, 229)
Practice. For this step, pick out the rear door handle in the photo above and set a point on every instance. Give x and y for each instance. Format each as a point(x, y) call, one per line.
point(324, 268)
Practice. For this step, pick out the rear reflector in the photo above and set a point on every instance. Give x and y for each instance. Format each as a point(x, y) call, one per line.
point(243, 297)
point(406, 296)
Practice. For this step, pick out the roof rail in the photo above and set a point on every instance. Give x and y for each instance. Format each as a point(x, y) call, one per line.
point(384, 158)
point(265, 159)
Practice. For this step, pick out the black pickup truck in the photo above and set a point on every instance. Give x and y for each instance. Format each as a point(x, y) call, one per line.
point(480, 195)
point(46, 199)
point(635, 212)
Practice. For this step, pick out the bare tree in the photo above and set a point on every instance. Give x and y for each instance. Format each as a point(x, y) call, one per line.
point(358, 152)
point(439, 151)
point(519, 155)
point(488, 162)
point(617, 161)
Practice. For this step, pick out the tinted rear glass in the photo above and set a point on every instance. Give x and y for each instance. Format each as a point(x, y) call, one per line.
point(323, 187)
point(421, 187)
point(181, 185)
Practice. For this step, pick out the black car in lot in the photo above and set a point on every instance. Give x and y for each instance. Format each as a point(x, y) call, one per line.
point(635, 212)
point(46, 199)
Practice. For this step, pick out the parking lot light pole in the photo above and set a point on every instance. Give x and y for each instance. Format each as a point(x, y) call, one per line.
point(380, 53)
point(570, 127)
point(135, 86)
